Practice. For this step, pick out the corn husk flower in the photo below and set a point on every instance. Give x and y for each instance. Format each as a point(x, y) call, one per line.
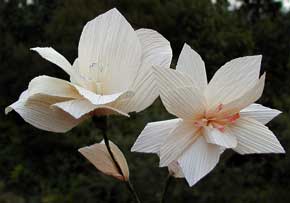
point(212, 116)
point(99, 156)
point(111, 75)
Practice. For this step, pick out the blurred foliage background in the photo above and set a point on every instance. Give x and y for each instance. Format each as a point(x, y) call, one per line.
point(38, 166)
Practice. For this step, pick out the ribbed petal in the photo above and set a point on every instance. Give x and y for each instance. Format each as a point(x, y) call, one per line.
point(190, 63)
point(177, 142)
point(110, 52)
point(254, 137)
point(154, 135)
point(223, 139)
point(175, 170)
point(198, 160)
point(260, 113)
point(53, 87)
point(99, 156)
point(53, 56)
point(233, 80)
point(246, 99)
point(36, 110)
point(80, 107)
point(184, 102)
point(156, 51)
point(97, 99)
point(168, 79)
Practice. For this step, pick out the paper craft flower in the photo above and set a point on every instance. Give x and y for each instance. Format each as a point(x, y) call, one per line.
point(112, 74)
point(212, 116)
point(99, 156)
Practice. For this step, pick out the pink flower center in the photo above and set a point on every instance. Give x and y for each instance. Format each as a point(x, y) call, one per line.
point(216, 121)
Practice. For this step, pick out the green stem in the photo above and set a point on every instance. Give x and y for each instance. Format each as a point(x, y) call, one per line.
point(167, 183)
point(102, 124)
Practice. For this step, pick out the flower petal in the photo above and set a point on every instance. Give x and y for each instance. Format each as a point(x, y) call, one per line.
point(223, 139)
point(53, 87)
point(198, 160)
point(145, 92)
point(254, 137)
point(157, 52)
point(260, 113)
point(175, 170)
point(99, 156)
point(153, 135)
point(80, 107)
point(168, 78)
point(110, 52)
point(184, 102)
point(246, 99)
point(190, 63)
point(97, 99)
point(177, 142)
point(233, 79)
point(36, 111)
point(53, 56)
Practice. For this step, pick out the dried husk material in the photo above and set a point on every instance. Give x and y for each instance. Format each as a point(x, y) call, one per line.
point(99, 156)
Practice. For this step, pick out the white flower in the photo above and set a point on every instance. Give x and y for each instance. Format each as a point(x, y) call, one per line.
point(112, 74)
point(212, 116)
point(99, 156)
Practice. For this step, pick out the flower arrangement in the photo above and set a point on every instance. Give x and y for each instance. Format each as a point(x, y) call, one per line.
point(121, 70)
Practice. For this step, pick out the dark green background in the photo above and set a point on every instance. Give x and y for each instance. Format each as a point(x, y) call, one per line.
point(38, 166)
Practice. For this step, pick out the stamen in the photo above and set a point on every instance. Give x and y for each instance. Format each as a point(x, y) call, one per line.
point(233, 118)
point(216, 120)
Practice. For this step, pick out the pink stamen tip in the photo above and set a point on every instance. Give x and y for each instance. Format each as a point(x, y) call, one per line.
point(233, 118)
point(222, 129)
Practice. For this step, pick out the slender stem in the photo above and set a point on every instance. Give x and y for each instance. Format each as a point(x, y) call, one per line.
point(166, 186)
point(102, 124)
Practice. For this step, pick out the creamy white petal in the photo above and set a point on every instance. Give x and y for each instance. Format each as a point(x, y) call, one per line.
point(110, 52)
point(156, 51)
point(145, 92)
point(97, 99)
point(246, 99)
point(224, 139)
point(183, 102)
point(36, 111)
point(53, 87)
point(153, 135)
point(198, 160)
point(80, 80)
point(168, 79)
point(190, 63)
point(180, 138)
point(99, 156)
point(53, 56)
point(178, 95)
point(80, 107)
point(260, 113)
point(175, 170)
point(233, 79)
point(254, 137)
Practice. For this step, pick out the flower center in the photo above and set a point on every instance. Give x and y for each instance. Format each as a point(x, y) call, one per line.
point(216, 121)
point(97, 73)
